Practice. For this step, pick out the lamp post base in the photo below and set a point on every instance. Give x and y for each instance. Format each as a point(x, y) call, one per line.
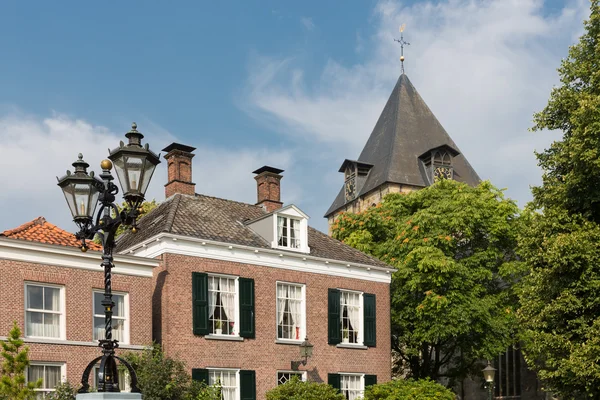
point(109, 396)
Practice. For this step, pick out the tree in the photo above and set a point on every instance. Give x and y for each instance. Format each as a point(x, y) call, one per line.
point(295, 389)
point(13, 385)
point(144, 209)
point(454, 250)
point(560, 298)
point(400, 389)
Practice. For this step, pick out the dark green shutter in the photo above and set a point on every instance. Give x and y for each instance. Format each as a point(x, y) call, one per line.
point(200, 303)
point(247, 308)
point(200, 375)
point(248, 385)
point(370, 319)
point(334, 328)
point(334, 380)
point(370, 380)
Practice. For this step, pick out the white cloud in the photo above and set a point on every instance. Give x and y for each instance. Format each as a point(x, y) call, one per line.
point(308, 23)
point(36, 150)
point(483, 67)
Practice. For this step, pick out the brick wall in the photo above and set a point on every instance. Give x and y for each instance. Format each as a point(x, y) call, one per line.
point(262, 354)
point(79, 285)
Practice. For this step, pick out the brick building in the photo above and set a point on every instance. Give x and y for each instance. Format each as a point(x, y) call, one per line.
point(240, 286)
point(55, 299)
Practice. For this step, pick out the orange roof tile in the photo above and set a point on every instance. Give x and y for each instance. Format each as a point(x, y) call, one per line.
point(39, 230)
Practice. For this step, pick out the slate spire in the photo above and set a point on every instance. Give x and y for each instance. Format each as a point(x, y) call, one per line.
point(404, 135)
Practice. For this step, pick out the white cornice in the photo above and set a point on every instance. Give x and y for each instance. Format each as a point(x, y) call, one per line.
point(76, 343)
point(177, 244)
point(63, 256)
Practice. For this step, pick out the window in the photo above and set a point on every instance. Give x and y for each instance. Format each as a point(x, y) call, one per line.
point(222, 305)
point(285, 376)
point(124, 379)
point(442, 165)
point(351, 311)
point(120, 323)
point(290, 311)
point(508, 374)
point(288, 232)
point(50, 374)
point(227, 379)
point(352, 386)
point(44, 311)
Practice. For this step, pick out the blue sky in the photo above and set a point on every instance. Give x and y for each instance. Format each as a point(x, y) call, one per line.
point(296, 85)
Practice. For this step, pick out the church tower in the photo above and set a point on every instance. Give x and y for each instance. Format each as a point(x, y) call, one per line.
point(407, 150)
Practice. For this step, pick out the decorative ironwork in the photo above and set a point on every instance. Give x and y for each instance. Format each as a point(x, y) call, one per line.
point(402, 44)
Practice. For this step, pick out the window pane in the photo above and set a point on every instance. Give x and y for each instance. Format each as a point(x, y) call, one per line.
point(119, 308)
point(98, 328)
point(51, 299)
point(98, 307)
point(52, 325)
point(351, 316)
point(35, 372)
point(52, 377)
point(222, 305)
point(282, 231)
point(35, 297)
point(289, 311)
point(34, 324)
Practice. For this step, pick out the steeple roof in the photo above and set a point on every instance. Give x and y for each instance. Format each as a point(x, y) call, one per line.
point(405, 130)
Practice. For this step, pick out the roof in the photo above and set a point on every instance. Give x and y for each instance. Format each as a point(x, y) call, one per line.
point(178, 146)
point(41, 231)
point(212, 218)
point(405, 130)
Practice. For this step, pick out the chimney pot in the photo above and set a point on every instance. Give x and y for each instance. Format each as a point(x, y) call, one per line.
point(179, 164)
point(268, 187)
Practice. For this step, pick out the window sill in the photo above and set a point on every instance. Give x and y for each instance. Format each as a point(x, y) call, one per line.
point(351, 346)
point(290, 342)
point(233, 338)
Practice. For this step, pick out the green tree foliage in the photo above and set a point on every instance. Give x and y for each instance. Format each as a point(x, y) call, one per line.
point(63, 391)
point(560, 298)
point(400, 389)
point(13, 385)
point(295, 389)
point(454, 250)
point(144, 209)
point(164, 378)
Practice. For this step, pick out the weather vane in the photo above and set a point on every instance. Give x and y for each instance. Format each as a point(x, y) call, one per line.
point(402, 43)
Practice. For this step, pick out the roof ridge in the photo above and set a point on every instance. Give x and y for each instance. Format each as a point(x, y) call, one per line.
point(173, 211)
point(37, 221)
point(228, 200)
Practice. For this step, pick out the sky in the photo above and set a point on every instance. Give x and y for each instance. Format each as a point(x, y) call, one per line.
point(294, 85)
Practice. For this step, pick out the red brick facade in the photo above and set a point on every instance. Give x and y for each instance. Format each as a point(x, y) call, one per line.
point(78, 284)
point(173, 323)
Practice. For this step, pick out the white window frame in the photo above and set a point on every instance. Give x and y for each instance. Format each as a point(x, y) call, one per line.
point(349, 374)
point(236, 326)
point(361, 325)
point(288, 234)
point(291, 212)
point(126, 326)
point(289, 371)
point(63, 374)
point(237, 378)
point(124, 386)
point(62, 326)
point(303, 333)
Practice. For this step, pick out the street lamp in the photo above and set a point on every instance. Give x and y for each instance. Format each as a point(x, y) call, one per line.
point(489, 373)
point(306, 350)
point(134, 165)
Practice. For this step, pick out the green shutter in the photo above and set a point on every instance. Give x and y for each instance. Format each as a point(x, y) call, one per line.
point(370, 380)
point(246, 307)
point(200, 375)
point(247, 385)
point(200, 303)
point(334, 380)
point(370, 320)
point(334, 322)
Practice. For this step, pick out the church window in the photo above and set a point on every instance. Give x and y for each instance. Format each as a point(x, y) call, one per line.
point(441, 165)
point(350, 183)
point(508, 375)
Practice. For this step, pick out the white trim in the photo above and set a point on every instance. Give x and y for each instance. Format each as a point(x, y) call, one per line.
point(236, 325)
point(63, 372)
point(360, 343)
point(63, 256)
point(303, 330)
point(75, 343)
point(238, 386)
point(126, 327)
point(177, 244)
point(62, 320)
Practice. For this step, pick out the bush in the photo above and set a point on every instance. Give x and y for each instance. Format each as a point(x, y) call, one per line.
point(63, 391)
point(295, 389)
point(423, 389)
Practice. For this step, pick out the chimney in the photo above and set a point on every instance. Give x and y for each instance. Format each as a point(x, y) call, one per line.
point(268, 187)
point(179, 158)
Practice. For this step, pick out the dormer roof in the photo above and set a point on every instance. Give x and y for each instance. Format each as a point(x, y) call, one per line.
point(406, 129)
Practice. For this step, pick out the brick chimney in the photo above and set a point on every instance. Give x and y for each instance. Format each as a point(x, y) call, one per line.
point(268, 187)
point(179, 158)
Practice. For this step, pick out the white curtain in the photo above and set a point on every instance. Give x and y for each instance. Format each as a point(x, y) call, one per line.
point(228, 298)
point(52, 377)
point(354, 311)
point(281, 296)
point(295, 308)
point(212, 299)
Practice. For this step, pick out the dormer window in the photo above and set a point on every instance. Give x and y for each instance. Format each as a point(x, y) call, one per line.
point(288, 232)
point(442, 165)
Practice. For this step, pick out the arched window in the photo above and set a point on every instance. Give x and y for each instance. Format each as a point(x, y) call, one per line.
point(442, 165)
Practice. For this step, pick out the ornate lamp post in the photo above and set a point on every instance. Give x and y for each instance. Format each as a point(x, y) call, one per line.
point(489, 373)
point(134, 165)
point(306, 350)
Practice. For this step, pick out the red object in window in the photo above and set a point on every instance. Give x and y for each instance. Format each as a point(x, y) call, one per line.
point(297, 332)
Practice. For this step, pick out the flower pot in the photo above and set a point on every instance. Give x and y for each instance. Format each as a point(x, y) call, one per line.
point(218, 331)
point(345, 340)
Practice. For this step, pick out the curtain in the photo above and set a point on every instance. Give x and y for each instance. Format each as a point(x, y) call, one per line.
point(281, 298)
point(228, 299)
point(52, 377)
point(282, 231)
point(213, 287)
point(354, 311)
point(295, 308)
